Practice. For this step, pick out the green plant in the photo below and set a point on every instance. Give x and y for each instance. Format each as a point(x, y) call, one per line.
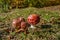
point(4, 4)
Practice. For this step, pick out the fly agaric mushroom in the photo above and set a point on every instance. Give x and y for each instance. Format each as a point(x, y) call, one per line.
point(33, 19)
point(16, 22)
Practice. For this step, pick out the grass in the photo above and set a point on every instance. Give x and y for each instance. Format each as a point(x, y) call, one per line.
point(40, 33)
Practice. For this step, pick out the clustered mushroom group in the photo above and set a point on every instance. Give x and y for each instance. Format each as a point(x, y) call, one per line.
point(22, 25)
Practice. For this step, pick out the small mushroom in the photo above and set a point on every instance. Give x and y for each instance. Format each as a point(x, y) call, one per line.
point(20, 25)
point(33, 19)
point(16, 22)
point(24, 27)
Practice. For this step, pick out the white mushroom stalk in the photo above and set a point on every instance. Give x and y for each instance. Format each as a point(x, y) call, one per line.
point(32, 26)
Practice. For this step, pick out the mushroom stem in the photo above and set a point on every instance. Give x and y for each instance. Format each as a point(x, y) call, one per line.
point(32, 26)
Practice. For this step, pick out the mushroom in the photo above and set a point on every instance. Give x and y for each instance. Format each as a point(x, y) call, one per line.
point(23, 27)
point(16, 22)
point(33, 19)
point(20, 25)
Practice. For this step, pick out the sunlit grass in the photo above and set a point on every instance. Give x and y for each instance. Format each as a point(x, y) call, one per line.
point(37, 34)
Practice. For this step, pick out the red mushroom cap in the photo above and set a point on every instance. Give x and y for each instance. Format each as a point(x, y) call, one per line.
point(17, 22)
point(33, 19)
point(23, 25)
